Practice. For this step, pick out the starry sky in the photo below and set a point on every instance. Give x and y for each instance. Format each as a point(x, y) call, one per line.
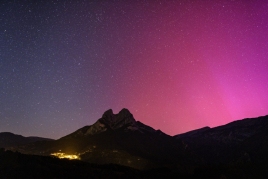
point(176, 65)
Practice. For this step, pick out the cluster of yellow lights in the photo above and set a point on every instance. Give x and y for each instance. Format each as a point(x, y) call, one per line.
point(68, 156)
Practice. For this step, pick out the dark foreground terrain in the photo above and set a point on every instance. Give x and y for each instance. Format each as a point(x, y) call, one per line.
point(17, 165)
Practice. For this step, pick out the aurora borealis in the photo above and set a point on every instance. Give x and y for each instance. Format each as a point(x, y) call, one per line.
point(176, 65)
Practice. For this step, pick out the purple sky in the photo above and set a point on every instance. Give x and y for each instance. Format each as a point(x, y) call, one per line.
point(176, 65)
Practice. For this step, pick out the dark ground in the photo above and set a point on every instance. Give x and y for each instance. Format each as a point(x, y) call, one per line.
point(17, 165)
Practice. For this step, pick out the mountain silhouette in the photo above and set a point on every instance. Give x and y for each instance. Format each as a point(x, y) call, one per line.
point(239, 141)
point(120, 139)
point(8, 139)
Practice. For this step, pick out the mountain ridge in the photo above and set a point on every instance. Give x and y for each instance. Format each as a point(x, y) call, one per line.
point(9, 139)
point(236, 141)
point(120, 139)
point(111, 121)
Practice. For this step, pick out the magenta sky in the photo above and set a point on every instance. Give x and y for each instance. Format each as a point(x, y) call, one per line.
point(200, 64)
point(176, 65)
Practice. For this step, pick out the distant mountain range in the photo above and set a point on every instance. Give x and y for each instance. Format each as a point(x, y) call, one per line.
point(8, 139)
point(120, 139)
point(239, 141)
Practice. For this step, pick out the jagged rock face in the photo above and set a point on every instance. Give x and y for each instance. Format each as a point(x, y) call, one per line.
point(96, 128)
point(123, 121)
point(115, 121)
point(111, 121)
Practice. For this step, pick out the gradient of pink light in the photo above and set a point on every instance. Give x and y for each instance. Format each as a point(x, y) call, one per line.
point(205, 70)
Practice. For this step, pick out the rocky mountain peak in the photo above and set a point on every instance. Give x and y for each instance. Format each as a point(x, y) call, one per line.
point(109, 120)
point(124, 113)
point(115, 121)
point(108, 114)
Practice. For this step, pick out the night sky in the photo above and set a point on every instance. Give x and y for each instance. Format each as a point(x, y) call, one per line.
point(176, 65)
